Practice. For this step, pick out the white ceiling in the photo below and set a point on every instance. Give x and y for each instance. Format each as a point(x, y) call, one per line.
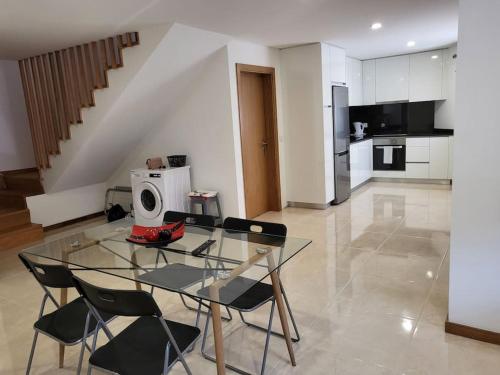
point(28, 28)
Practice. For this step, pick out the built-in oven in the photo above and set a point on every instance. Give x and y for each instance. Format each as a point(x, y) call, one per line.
point(389, 153)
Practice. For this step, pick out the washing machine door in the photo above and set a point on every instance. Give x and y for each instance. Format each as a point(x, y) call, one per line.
point(147, 200)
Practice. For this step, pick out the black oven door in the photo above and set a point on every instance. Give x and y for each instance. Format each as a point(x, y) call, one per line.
point(391, 159)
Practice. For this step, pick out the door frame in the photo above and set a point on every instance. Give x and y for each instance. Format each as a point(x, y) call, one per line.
point(274, 190)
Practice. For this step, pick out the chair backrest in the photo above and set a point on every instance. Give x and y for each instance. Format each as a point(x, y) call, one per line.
point(50, 275)
point(260, 227)
point(118, 302)
point(189, 219)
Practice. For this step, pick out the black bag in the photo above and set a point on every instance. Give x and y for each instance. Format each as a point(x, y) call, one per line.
point(116, 212)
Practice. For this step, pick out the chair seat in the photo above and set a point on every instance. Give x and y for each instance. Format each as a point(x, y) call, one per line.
point(175, 276)
point(140, 348)
point(67, 324)
point(254, 297)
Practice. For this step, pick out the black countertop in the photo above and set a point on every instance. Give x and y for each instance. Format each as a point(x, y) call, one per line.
point(435, 133)
point(359, 139)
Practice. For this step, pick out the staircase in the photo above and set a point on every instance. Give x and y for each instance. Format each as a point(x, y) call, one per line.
point(16, 228)
point(58, 84)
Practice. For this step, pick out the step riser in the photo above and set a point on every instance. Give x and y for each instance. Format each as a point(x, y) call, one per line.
point(28, 185)
point(12, 201)
point(14, 219)
point(21, 237)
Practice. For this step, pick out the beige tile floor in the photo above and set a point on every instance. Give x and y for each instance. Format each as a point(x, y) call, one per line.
point(369, 295)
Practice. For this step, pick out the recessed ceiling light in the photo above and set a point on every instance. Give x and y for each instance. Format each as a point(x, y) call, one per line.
point(376, 26)
point(411, 43)
point(434, 57)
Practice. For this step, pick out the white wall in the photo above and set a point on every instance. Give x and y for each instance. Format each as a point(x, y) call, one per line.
point(444, 115)
point(49, 209)
point(176, 94)
point(200, 127)
point(204, 123)
point(253, 54)
point(16, 148)
point(475, 235)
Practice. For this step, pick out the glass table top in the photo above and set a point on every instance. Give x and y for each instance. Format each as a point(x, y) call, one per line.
point(233, 263)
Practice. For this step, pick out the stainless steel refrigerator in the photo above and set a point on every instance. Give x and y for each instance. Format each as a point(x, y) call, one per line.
point(341, 137)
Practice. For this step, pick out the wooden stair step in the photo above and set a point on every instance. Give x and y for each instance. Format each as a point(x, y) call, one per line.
point(11, 218)
point(26, 182)
point(22, 235)
point(12, 199)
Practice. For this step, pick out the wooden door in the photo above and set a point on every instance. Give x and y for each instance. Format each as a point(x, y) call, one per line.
point(258, 141)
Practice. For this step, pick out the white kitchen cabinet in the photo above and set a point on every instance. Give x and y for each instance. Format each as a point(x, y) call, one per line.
point(417, 154)
point(326, 74)
point(450, 157)
point(417, 170)
point(417, 142)
point(426, 76)
point(438, 163)
point(392, 78)
point(368, 82)
point(389, 174)
point(361, 162)
point(338, 65)
point(354, 81)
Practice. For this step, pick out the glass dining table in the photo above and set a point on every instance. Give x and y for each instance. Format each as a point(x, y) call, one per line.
point(210, 265)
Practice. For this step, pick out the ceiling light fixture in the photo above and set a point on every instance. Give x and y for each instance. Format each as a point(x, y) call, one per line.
point(434, 57)
point(376, 26)
point(411, 43)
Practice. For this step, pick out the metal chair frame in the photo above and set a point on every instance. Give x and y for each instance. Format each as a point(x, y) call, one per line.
point(48, 295)
point(172, 342)
point(267, 329)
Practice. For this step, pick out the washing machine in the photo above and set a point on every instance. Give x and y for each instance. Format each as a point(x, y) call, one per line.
point(157, 191)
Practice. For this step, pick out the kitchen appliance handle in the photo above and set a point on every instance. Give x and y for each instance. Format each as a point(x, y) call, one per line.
point(381, 147)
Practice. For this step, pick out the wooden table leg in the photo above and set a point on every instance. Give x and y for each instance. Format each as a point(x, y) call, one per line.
point(282, 313)
point(62, 301)
point(219, 341)
point(136, 273)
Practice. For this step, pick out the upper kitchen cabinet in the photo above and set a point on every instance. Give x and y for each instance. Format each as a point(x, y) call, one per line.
point(333, 70)
point(338, 64)
point(326, 74)
point(426, 76)
point(392, 78)
point(369, 82)
point(354, 81)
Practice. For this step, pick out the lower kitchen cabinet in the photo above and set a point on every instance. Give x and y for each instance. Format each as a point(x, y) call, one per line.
point(361, 162)
point(450, 157)
point(438, 157)
point(427, 157)
point(417, 170)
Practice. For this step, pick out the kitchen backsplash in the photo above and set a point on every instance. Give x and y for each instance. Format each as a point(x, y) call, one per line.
point(395, 118)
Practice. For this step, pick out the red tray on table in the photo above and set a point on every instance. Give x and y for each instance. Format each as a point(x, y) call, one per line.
point(157, 236)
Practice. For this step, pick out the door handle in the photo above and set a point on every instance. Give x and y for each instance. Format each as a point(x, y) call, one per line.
point(263, 144)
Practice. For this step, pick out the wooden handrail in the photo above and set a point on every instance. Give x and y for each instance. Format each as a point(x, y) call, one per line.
point(58, 84)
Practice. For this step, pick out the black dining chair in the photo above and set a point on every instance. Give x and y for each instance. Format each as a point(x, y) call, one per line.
point(260, 293)
point(149, 345)
point(182, 275)
point(70, 324)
